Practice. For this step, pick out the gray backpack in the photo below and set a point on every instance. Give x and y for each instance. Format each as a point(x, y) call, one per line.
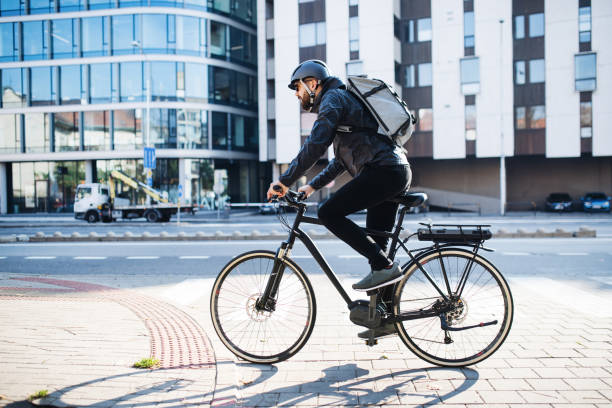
point(394, 119)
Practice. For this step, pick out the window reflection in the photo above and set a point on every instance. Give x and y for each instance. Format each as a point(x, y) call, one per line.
point(195, 78)
point(41, 6)
point(536, 116)
point(35, 44)
point(219, 130)
point(218, 39)
point(130, 79)
point(154, 31)
point(519, 27)
point(244, 133)
point(13, 88)
point(37, 132)
point(9, 41)
point(536, 71)
point(519, 72)
point(425, 74)
point(163, 81)
point(188, 35)
point(70, 84)
point(163, 128)
point(66, 129)
point(125, 37)
point(425, 122)
point(12, 7)
point(64, 38)
point(94, 37)
point(520, 115)
point(100, 83)
point(230, 87)
point(43, 85)
point(536, 25)
point(424, 29)
point(127, 126)
point(10, 137)
point(71, 5)
point(192, 129)
point(243, 47)
point(96, 132)
point(586, 119)
point(586, 72)
point(470, 76)
point(100, 4)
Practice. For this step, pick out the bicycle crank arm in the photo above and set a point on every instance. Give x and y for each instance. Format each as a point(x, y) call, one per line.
point(446, 327)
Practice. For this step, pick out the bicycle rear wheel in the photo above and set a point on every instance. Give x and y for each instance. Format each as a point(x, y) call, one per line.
point(255, 335)
point(486, 298)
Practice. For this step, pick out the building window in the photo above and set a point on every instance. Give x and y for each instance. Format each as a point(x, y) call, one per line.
point(94, 36)
point(131, 76)
point(9, 41)
point(584, 24)
point(425, 74)
point(312, 34)
point(424, 29)
point(519, 72)
point(155, 32)
point(37, 132)
point(71, 84)
point(470, 76)
point(96, 130)
point(354, 37)
point(163, 128)
point(586, 72)
point(195, 79)
point(409, 77)
point(13, 90)
point(71, 5)
point(41, 6)
point(43, 85)
point(35, 45)
point(470, 122)
point(10, 138)
point(100, 83)
point(218, 43)
point(126, 35)
point(468, 29)
point(536, 71)
point(244, 133)
point(536, 117)
point(520, 114)
point(64, 38)
point(66, 130)
point(190, 35)
point(586, 119)
point(536, 25)
point(127, 129)
point(425, 122)
point(192, 129)
point(519, 27)
point(219, 130)
point(12, 7)
point(354, 68)
point(163, 81)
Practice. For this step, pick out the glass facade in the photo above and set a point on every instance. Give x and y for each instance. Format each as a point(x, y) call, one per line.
point(102, 105)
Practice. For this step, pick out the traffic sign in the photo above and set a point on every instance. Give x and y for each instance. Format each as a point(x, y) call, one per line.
point(180, 190)
point(149, 157)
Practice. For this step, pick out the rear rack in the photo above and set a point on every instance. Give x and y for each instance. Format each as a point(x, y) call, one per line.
point(458, 233)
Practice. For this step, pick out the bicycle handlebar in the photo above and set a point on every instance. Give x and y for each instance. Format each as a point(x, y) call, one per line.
point(291, 197)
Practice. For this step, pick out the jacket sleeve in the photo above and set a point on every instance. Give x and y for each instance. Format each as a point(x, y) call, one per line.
point(333, 170)
point(321, 136)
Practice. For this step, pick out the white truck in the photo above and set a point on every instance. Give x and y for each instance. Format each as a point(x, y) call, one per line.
point(97, 202)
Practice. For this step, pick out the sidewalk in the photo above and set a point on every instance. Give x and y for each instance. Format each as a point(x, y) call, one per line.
point(79, 339)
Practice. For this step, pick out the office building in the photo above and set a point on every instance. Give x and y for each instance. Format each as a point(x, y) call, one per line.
point(86, 84)
point(512, 97)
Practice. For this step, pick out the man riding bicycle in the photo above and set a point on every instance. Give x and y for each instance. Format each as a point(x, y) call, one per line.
point(379, 168)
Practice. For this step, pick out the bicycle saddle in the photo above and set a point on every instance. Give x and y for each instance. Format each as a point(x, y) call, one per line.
point(410, 199)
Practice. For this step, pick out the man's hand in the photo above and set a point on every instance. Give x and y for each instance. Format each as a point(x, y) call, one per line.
point(306, 189)
point(272, 193)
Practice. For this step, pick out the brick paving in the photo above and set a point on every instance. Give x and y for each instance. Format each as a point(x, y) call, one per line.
point(78, 340)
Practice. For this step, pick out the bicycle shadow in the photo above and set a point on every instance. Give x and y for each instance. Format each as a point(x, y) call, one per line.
point(344, 385)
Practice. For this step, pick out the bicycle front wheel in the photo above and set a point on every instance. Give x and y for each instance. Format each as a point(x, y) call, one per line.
point(256, 335)
point(479, 316)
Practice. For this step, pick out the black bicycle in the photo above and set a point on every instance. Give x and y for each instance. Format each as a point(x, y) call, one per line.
point(452, 308)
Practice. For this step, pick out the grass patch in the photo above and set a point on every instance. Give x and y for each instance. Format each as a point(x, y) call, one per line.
point(38, 395)
point(147, 363)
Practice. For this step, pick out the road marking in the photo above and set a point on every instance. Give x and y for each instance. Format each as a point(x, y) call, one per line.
point(194, 257)
point(301, 256)
point(349, 256)
point(516, 253)
point(142, 257)
point(88, 258)
point(572, 253)
point(39, 257)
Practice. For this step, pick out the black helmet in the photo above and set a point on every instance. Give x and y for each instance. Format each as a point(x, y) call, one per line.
point(309, 69)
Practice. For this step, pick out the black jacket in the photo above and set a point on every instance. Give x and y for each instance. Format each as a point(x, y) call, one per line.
point(338, 107)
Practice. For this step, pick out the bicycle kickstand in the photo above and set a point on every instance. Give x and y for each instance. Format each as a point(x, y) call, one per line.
point(371, 341)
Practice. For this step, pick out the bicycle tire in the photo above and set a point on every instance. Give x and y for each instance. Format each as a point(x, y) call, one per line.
point(486, 298)
point(263, 337)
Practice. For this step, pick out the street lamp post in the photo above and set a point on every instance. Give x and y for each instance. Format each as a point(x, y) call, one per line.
point(502, 156)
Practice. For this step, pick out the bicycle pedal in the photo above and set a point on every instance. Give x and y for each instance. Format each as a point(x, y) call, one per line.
point(371, 342)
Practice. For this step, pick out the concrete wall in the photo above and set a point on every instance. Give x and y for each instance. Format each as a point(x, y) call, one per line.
point(562, 101)
point(337, 40)
point(376, 45)
point(448, 101)
point(601, 33)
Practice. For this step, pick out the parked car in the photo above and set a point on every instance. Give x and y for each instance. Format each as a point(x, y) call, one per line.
point(267, 208)
point(595, 201)
point(558, 202)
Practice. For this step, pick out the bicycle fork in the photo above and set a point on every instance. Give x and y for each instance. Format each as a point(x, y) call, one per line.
point(267, 301)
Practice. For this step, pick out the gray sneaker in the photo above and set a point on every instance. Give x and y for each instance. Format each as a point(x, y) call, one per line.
point(382, 331)
point(379, 278)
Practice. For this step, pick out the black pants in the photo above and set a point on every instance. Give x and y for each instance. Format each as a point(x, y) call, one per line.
point(369, 190)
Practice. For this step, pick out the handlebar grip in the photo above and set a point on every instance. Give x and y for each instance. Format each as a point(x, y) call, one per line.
point(277, 188)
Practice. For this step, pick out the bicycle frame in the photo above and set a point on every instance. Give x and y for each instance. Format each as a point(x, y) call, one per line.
point(267, 299)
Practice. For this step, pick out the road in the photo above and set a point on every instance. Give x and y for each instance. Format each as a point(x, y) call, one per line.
point(246, 223)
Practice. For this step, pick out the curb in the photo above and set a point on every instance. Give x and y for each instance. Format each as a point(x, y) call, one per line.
point(583, 232)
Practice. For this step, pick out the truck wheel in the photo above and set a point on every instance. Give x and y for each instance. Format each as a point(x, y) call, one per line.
point(152, 216)
point(91, 217)
point(165, 218)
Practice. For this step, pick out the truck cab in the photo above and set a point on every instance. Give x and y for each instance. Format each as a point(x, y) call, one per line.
point(89, 198)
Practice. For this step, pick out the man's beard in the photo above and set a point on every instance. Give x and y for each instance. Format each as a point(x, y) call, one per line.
point(305, 102)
